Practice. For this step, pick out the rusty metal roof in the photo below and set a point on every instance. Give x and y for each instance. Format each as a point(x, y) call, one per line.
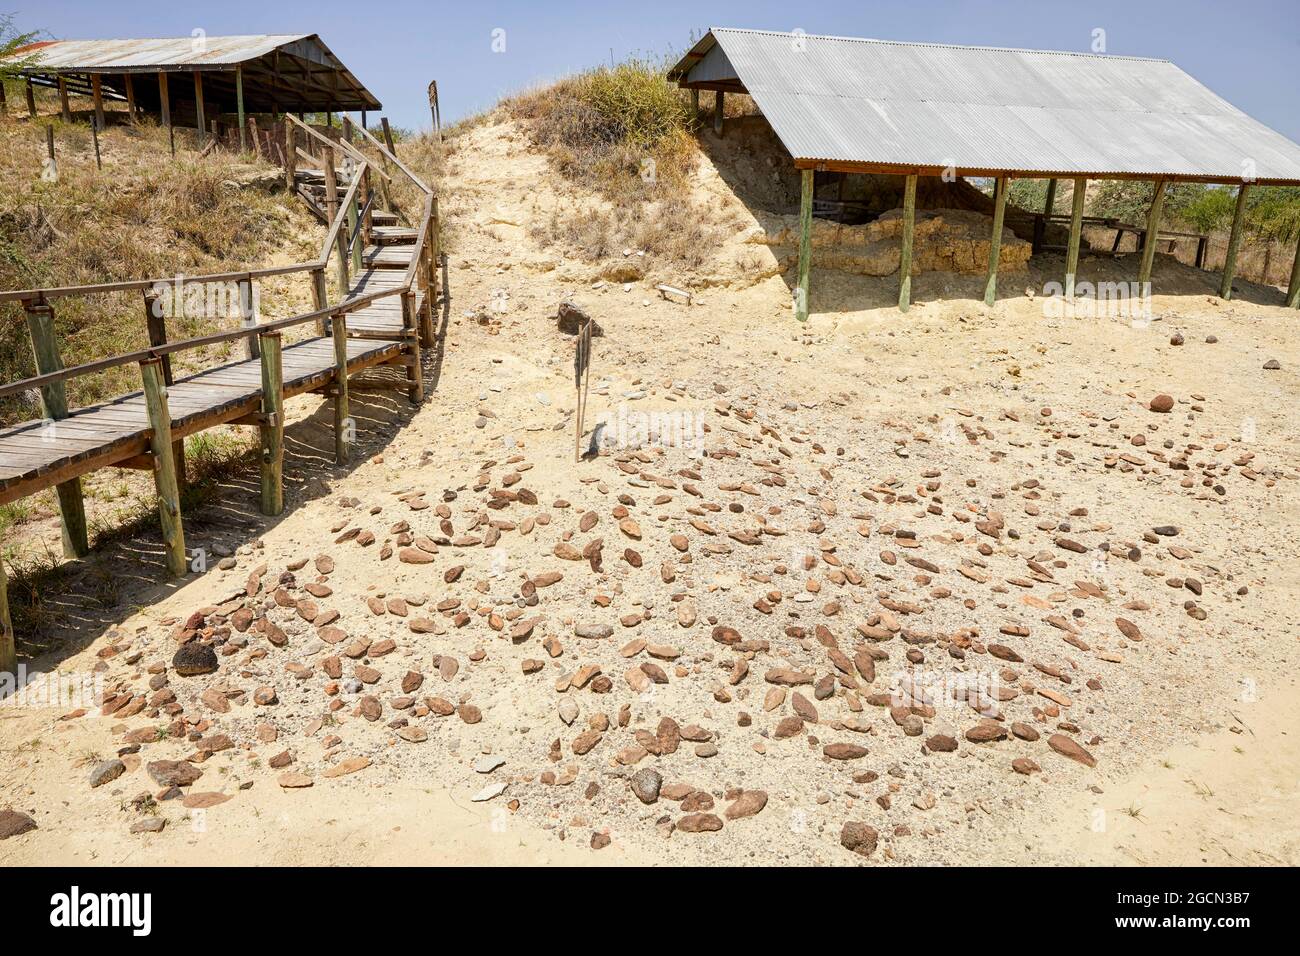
point(978, 109)
point(284, 70)
point(193, 52)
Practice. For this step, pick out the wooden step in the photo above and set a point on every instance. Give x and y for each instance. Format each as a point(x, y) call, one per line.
point(393, 235)
point(382, 217)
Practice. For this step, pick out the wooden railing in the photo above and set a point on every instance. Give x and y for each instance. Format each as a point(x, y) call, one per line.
point(354, 208)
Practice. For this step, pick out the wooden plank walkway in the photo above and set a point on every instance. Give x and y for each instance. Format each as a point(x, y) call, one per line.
point(37, 454)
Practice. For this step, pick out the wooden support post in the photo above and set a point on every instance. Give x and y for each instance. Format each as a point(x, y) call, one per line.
point(388, 138)
point(905, 257)
point(4, 101)
point(165, 102)
point(435, 111)
point(8, 648)
point(1234, 243)
point(411, 335)
point(156, 323)
point(54, 403)
point(1050, 204)
point(331, 182)
point(200, 123)
point(1151, 239)
point(319, 296)
point(239, 108)
point(247, 318)
point(272, 427)
point(1293, 289)
point(164, 466)
point(805, 245)
point(995, 241)
point(130, 98)
point(31, 99)
point(354, 234)
point(1076, 233)
point(342, 412)
point(65, 108)
point(94, 135)
point(719, 103)
point(290, 156)
point(427, 333)
point(97, 94)
point(695, 104)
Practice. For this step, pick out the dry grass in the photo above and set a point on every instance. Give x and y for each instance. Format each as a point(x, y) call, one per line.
point(625, 137)
point(144, 215)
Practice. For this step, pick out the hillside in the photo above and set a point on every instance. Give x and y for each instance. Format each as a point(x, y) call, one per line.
point(878, 589)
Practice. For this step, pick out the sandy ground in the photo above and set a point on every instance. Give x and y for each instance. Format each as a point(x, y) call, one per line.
point(987, 437)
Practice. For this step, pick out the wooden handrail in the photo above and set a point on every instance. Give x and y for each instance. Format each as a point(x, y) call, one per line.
point(400, 165)
point(409, 277)
point(215, 338)
point(341, 144)
point(131, 285)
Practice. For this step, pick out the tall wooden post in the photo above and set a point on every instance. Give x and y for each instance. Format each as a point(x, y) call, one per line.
point(719, 103)
point(164, 466)
point(1076, 234)
point(4, 101)
point(156, 324)
point(239, 108)
point(247, 319)
point(1050, 203)
point(199, 123)
point(805, 245)
point(1234, 243)
point(695, 104)
point(319, 297)
point(354, 234)
point(31, 98)
point(165, 102)
point(65, 108)
point(290, 156)
point(995, 241)
point(54, 402)
point(1152, 236)
point(8, 648)
point(342, 411)
point(411, 335)
point(905, 256)
point(97, 93)
point(272, 426)
point(130, 98)
point(1293, 289)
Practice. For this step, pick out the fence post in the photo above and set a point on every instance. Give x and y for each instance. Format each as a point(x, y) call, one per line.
point(247, 319)
point(156, 323)
point(342, 410)
point(319, 298)
point(54, 402)
point(8, 649)
point(290, 156)
point(164, 466)
point(272, 426)
point(414, 371)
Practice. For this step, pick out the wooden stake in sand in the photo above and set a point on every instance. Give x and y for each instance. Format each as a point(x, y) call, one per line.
point(581, 383)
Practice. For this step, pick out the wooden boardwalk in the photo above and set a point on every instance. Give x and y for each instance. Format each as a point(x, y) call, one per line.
point(388, 274)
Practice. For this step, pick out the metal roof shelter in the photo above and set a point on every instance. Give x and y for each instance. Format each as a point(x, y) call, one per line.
point(255, 74)
point(872, 106)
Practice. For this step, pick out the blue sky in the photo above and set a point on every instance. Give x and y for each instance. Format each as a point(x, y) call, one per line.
point(1246, 50)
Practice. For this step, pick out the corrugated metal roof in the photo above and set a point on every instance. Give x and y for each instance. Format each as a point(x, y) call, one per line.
point(191, 51)
point(843, 99)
